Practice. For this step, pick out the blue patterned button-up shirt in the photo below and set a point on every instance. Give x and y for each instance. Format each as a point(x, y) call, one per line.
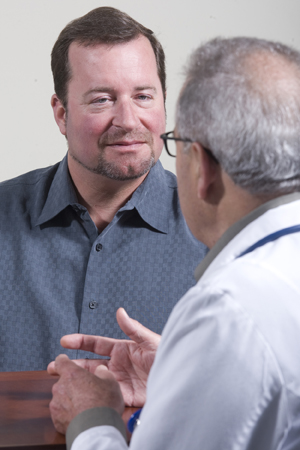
point(59, 275)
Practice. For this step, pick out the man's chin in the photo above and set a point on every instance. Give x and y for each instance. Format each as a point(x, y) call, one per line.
point(124, 173)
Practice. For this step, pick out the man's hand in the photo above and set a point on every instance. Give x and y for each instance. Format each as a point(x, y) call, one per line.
point(78, 390)
point(130, 361)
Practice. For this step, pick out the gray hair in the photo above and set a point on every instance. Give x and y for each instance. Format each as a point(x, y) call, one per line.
point(241, 99)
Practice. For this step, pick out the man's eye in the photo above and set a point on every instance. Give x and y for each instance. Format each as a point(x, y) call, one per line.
point(101, 100)
point(143, 97)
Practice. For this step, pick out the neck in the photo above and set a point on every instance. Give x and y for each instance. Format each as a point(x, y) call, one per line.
point(101, 196)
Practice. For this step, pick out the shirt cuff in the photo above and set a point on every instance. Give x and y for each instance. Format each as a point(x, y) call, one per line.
point(93, 418)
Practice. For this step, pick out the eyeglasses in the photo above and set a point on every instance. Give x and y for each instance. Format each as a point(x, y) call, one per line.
point(170, 145)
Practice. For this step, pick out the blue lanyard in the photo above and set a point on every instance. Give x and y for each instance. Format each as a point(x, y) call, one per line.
point(134, 421)
point(270, 238)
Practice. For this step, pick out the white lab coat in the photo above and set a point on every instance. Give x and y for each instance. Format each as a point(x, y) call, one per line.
point(227, 371)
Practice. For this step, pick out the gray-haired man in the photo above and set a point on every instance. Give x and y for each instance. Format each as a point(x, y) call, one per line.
point(226, 372)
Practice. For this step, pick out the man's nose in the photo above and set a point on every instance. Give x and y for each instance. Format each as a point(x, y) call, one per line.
point(125, 115)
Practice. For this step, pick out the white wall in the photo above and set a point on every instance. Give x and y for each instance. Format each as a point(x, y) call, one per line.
point(29, 137)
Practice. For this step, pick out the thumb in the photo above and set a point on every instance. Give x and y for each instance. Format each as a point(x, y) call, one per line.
point(51, 368)
point(134, 329)
point(62, 363)
point(103, 373)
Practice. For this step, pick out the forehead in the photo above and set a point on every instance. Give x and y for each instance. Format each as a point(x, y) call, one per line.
point(133, 60)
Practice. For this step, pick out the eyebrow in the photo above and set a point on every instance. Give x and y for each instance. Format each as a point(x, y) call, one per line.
point(109, 89)
point(98, 90)
point(145, 88)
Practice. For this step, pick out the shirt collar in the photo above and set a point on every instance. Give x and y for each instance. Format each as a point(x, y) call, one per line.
point(61, 194)
point(239, 226)
point(152, 199)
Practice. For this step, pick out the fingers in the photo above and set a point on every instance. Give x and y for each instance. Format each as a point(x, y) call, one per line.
point(72, 341)
point(91, 364)
point(60, 362)
point(51, 368)
point(103, 345)
point(88, 364)
point(63, 364)
point(96, 344)
point(103, 373)
point(55, 367)
point(134, 329)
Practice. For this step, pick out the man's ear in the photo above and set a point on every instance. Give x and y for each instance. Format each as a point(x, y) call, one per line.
point(206, 171)
point(59, 114)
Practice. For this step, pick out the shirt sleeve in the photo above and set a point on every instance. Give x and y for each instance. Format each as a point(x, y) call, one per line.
point(103, 437)
point(93, 421)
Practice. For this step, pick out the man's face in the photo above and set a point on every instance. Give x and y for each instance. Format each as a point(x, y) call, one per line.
point(115, 111)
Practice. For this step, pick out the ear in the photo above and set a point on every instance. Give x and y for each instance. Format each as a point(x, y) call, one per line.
point(207, 171)
point(59, 114)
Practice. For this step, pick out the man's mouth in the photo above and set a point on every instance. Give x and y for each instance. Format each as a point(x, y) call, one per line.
point(125, 141)
point(133, 143)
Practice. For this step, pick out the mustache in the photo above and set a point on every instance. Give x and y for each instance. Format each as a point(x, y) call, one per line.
point(112, 136)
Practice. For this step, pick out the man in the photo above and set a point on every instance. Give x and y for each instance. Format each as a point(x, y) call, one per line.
point(103, 228)
point(226, 372)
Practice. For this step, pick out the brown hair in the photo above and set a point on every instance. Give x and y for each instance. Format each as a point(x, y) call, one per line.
point(104, 25)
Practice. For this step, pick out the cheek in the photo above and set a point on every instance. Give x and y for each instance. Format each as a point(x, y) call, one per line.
point(158, 122)
point(162, 122)
point(157, 126)
point(85, 127)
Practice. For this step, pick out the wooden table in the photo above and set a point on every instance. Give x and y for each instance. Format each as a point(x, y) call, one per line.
point(25, 422)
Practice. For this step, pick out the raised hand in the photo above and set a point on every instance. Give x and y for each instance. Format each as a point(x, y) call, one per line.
point(130, 361)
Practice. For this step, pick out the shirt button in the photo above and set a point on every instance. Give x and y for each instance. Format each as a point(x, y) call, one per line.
point(98, 247)
point(93, 305)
